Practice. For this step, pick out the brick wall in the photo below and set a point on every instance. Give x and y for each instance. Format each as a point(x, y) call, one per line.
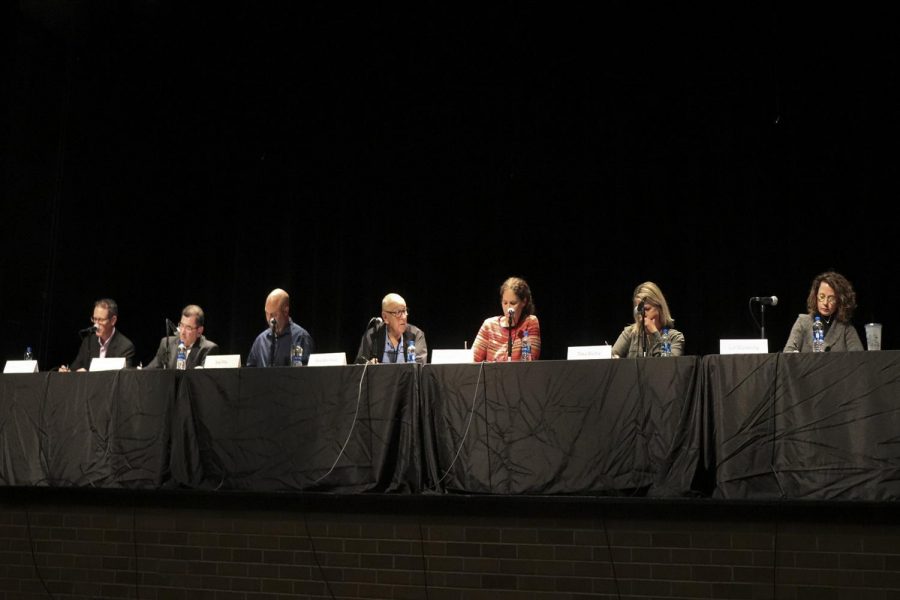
point(262, 547)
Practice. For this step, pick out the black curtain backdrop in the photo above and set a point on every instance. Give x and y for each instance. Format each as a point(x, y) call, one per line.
point(164, 154)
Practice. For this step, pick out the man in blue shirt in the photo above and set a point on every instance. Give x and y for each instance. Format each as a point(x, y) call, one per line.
point(272, 347)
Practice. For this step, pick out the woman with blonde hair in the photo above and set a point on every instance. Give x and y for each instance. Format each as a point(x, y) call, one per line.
point(651, 315)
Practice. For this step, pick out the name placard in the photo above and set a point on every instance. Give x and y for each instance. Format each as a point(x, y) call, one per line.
point(327, 359)
point(752, 346)
point(21, 366)
point(222, 361)
point(451, 356)
point(107, 364)
point(589, 352)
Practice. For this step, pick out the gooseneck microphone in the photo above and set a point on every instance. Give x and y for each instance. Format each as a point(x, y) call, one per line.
point(510, 313)
point(768, 300)
point(87, 330)
point(374, 323)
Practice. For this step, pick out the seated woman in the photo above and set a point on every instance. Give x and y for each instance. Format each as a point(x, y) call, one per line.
point(493, 341)
point(651, 314)
point(832, 299)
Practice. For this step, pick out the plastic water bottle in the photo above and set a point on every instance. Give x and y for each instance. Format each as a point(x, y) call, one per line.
point(181, 357)
point(29, 355)
point(666, 349)
point(818, 332)
point(411, 352)
point(297, 355)
point(526, 347)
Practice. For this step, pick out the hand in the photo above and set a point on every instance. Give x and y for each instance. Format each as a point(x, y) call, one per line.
point(64, 369)
point(650, 325)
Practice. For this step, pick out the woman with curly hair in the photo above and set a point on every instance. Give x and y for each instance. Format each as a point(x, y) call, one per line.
point(500, 338)
point(832, 299)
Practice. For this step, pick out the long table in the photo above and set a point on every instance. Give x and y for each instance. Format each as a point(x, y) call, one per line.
point(756, 426)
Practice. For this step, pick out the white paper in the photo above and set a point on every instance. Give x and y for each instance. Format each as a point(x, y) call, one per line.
point(222, 361)
point(451, 356)
point(327, 359)
point(589, 352)
point(21, 366)
point(107, 364)
point(751, 346)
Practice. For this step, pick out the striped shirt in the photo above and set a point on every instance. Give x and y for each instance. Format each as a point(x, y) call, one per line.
point(493, 338)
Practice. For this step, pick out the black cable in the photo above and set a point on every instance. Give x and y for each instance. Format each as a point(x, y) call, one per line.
point(312, 545)
point(612, 563)
point(33, 556)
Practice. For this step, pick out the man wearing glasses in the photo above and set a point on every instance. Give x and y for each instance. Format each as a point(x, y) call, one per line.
point(387, 342)
point(105, 342)
point(190, 331)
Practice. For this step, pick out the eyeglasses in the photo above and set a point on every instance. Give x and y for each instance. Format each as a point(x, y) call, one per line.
point(398, 313)
point(96, 321)
point(188, 328)
point(826, 299)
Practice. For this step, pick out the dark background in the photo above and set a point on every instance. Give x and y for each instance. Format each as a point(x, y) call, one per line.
point(163, 154)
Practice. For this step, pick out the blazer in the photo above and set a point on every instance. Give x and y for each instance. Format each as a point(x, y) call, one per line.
point(841, 337)
point(372, 344)
point(119, 346)
point(201, 349)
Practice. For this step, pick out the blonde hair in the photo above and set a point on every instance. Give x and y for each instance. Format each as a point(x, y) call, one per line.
point(650, 292)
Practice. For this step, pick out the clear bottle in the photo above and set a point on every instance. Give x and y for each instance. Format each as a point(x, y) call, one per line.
point(181, 357)
point(296, 355)
point(818, 333)
point(411, 352)
point(665, 343)
point(29, 355)
point(526, 347)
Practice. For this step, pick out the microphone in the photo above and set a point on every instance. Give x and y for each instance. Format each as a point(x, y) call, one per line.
point(170, 326)
point(273, 323)
point(88, 330)
point(374, 323)
point(639, 307)
point(510, 313)
point(769, 300)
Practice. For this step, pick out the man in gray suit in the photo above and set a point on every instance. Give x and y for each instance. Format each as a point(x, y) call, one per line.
point(190, 331)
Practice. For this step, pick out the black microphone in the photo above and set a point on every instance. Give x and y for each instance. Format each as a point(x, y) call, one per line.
point(769, 300)
point(171, 327)
point(88, 330)
point(374, 323)
point(511, 312)
point(639, 307)
point(273, 323)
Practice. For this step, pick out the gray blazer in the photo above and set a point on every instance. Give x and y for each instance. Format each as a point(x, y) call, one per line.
point(841, 337)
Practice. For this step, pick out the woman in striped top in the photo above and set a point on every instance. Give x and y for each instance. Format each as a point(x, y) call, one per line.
point(493, 341)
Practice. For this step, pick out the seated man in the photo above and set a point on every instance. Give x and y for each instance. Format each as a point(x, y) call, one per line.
point(387, 341)
point(190, 331)
point(105, 342)
point(272, 347)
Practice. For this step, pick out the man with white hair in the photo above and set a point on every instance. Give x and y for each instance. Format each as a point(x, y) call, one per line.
point(389, 340)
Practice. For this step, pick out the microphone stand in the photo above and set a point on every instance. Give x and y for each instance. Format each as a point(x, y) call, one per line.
point(165, 363)
point(762, 320)
point(509, 344)
point(274, 341)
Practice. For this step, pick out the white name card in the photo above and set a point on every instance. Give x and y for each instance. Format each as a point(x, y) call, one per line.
point(107, 364)
point(589, 352)
point(451, 356)
point(222, 361)
point(21, 366)
point(753, 346)
point(327, 359)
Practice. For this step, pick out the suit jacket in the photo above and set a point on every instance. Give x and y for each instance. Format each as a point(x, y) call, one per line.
point(119, 346)
point(201, 349)
point(372, 344)
point(841, 337)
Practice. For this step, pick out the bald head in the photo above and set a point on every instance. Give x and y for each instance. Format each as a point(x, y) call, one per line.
point(393, 311)
point(278, 307)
